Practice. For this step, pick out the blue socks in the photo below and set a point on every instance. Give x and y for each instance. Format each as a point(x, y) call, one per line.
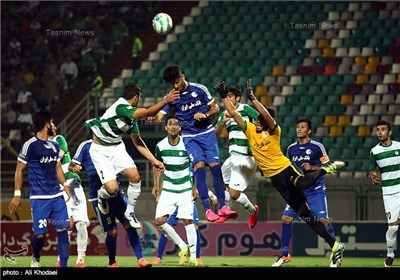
point(111, 244)
point(200, 175)
point(198, 244)
point(287, 231)
point(162, 242)
point(331, 230)
point(219, 185)
point(135, 242)
point(63, 247)
point(37, 245)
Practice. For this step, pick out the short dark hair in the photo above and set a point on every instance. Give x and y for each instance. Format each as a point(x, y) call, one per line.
point(170, 116)
point(131, 90)
point(382, 122)
point(236, 90)
point(40, 119)
point(306, 120)
point(172, 73)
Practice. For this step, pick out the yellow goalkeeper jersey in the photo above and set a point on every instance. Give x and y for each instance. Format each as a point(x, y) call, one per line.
point(266, 150)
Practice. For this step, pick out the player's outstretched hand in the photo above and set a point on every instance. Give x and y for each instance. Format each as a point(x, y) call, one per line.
point(249, 90)
point(172, 96)
point(220, 87)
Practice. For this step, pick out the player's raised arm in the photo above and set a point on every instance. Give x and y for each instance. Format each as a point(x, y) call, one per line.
point(259, 107)
point(140, 113)
point(223, 92)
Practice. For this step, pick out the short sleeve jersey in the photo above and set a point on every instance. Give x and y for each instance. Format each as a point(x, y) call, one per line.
point(116, 120)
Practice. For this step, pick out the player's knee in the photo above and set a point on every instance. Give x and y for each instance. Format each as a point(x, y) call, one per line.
point(286, 219)
point(200, 164)
point(161, 220)
point(234, 193)
point(111, 187)
point(392, 230)
point(325, 221)
point(40, 236)
point(80, 225)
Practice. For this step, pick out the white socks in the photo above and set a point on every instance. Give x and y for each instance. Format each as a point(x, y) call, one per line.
point(192, 240)
point(134, 190)
point(391, 234)
point(171, 234)
point(81, 240)
point(245, 202)
point(102, 193)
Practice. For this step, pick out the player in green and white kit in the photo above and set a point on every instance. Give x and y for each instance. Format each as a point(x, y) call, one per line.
point(77, 207)
point(174, 189)
point(108, 151)
point(385, 157)
point(239, 168)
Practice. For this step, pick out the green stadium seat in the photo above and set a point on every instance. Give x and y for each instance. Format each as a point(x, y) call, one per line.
point(328, 142)
point(311, 111)
point(283, 110)
point(305, 100)
point(118, 92)
point(332, 99)
point(355, 142)
point(350, 131)
point(333, 152)
point(369, 142)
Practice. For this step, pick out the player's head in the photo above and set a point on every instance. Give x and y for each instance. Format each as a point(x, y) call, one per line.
point(43, 120)
point(234, 94)
point(172, 125)
point(173, 75)
point(303, 128)
point(383, 130)
point(132, 93)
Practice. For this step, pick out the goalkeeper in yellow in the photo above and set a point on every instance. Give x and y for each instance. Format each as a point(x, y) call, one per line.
point(264, 137)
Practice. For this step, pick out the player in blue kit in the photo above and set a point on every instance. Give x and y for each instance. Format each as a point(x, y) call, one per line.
point(308, 155)
point(116, 207)
point(45, 174)
point(193, 109)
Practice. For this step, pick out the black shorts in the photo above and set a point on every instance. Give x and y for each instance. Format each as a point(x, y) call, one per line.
point(284, 185)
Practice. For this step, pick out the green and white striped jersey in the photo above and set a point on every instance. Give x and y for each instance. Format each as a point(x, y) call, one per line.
point(387, 159)
point(238, 142)
point(177, 177)
point(116, 120)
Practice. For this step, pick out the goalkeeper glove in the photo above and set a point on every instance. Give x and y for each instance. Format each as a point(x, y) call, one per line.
point(249, 90)
point(221, 89)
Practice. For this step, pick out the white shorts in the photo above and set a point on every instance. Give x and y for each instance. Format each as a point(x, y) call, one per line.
point(76, 205)
point(169, 201)
point(110, 160)
point(238, 171)
point(392, 207)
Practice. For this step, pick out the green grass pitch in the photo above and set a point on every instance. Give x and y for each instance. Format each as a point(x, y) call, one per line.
point(218, 262)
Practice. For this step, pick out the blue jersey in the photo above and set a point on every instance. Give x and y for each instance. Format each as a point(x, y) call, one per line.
point(194, 99)
point(312, 152)
point(41, 157)
point(82, 157)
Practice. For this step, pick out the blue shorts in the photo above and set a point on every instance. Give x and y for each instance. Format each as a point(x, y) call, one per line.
point(49, 211)
point(316, 201)
point(203, 147)
point(117, 207)
point(173, 221)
